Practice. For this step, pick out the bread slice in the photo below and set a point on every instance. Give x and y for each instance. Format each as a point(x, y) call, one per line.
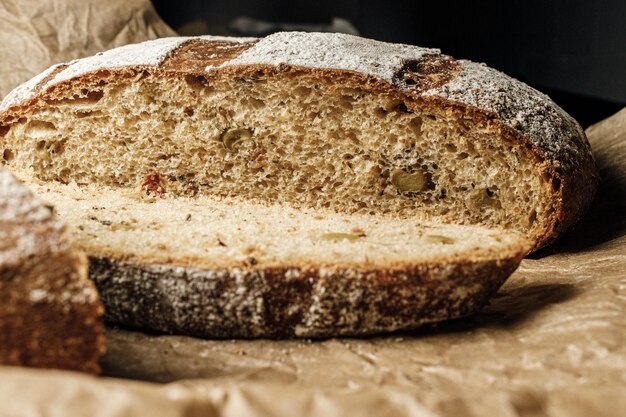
point(50, 313)
point(312, 120)
point(218, 267)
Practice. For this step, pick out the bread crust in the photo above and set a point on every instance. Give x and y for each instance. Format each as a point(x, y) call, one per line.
point(422, 77)
point(279, 302)
point(50, 313)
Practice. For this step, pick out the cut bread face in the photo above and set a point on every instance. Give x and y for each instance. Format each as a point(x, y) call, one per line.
point(217, 118)
point(295, 139)
point(209, 232)
point(218, 267)
point(50, 315)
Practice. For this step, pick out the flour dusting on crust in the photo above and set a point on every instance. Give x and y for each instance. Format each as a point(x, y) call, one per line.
point(334, 51)
point(26, 90)
point(313, 302)
point(26, 226)
point(148, 53)
point(519, 106)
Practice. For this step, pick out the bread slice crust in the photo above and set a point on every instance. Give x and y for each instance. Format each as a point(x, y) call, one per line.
point(294, 302)
point(50, 313)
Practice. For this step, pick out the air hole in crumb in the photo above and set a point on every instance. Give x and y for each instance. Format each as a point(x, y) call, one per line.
point(396, 106)
point(348, 97)
point(58, 147)
point(257, 103)
point(93, 96)
point(7, 155)
point(189, 111)
point(39, 128)
point(380, 112)
point(86, 97)
point(196, 82)
point(64, 175)
point(143, 75)
point(4, 130)
point(416, 126)
point(88, 113)
point(556, 184)
point(401, 108)
point(302, 91)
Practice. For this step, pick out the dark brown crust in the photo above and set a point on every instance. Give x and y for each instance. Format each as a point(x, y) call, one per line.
point(194, 56)
point(575, 190)
point(50, 313)
point(50, 76)
point(286, 302)
point(59, 328)
point(432, 71)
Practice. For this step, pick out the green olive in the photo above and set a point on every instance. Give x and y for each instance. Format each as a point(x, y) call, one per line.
point(230, 138)
point(408, 181)
point(440, 239)
point(335, 237)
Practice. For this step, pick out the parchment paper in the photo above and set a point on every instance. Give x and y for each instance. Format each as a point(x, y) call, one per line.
point(551, 343)
point(35, 34)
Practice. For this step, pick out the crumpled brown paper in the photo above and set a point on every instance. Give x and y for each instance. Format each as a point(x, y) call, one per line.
point(35, 34)
point(551, 343)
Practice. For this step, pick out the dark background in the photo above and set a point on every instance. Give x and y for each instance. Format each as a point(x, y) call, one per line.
point(575, 51)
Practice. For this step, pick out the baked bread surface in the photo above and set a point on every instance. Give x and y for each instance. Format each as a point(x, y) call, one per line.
point(50, 313)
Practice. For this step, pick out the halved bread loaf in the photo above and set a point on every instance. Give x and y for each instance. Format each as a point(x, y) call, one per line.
point(312, 120)
point(50, 313)
point(215, 267)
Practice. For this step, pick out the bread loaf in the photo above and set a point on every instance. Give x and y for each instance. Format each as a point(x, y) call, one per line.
point(213, 267)
point(295, 185)
point(312, 120)
point(50, 313)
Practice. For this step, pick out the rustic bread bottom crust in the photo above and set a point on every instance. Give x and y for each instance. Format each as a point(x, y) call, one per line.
point(52, 326)
point(286, 302)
